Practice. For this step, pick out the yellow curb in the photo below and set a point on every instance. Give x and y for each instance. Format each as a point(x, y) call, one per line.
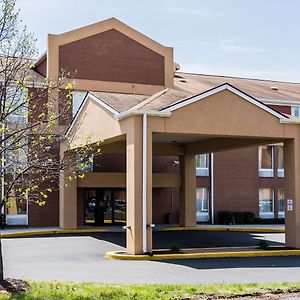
point(48, 232)
point(261, 253)
point(232, 229)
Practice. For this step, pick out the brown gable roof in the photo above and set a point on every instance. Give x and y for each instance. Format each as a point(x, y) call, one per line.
point(259, 89)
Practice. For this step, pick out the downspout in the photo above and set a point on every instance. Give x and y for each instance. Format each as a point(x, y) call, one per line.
point(144, 184)
point(212, 188)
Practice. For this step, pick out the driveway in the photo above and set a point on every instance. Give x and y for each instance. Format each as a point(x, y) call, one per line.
point(82, 258)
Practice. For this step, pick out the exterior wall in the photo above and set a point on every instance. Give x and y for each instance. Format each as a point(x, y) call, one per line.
point(41, 68)
point(47, 215)
point(112, 56)
point(236, 180)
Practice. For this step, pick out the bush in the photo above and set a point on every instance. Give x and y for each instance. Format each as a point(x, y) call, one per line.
point(263, 245)
point(269, 221)
point(225, 217)
point(175, 248)
point(236, 217)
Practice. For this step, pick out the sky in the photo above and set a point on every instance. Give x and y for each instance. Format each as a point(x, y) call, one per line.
point(245, 38)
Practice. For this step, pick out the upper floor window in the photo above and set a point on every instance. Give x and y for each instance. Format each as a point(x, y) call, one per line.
point(16, 105)
point(295, 111)
point(78, 97)
point(202, 164)
point(280, 162)
point(266, 161)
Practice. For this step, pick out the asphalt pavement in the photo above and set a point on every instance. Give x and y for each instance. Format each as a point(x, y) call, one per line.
point(81, 258)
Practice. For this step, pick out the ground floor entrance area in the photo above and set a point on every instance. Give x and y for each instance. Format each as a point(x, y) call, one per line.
point(104, 206)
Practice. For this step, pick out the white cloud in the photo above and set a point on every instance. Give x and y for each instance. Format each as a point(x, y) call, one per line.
point(230, 46)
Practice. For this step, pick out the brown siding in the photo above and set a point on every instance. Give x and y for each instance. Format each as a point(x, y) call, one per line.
point(37, 104)
point(65, 107)
point(41, 68)
point(165, 205)
point(236, 180)
point(112, 56)
point(282, 109)
point(47, 215)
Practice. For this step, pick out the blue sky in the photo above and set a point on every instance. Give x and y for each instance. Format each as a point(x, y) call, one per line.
point(248, 38)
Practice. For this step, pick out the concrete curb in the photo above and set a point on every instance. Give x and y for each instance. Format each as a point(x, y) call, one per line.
point(49, 232)
point(261, 253)
point(62, 231)
point(232, 229)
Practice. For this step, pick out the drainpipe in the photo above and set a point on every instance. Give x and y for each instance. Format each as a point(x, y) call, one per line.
point(144, 187)
point(212, 188)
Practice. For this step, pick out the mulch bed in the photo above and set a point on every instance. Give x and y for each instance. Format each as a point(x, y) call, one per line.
point(277, 294)
point(12, 285)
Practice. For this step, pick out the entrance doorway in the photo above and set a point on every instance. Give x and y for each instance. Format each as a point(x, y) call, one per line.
point(105, 206)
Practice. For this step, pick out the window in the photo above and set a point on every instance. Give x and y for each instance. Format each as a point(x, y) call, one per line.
point(265, 161)
point(16, 209)
point(78, 97)
point(202, 163)
point(281, 210)
point(16, 104)
point(295, 111)
point(266, 203)
point(280, 162)
point(202, 204)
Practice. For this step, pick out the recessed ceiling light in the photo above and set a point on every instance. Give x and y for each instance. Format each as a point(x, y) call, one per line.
point(274, 88)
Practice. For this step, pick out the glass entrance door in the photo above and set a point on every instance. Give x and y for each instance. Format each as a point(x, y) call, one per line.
point(105, 206)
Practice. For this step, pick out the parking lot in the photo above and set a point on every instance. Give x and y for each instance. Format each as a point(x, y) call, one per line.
point(81, 258)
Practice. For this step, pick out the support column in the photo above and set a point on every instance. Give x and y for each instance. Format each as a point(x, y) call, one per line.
point(187, 205)
point(67, 192)
point(292, 192)
point(149, 188)
point(134, 188)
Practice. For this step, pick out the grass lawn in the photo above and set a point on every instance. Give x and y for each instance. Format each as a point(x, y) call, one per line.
point(91, 291)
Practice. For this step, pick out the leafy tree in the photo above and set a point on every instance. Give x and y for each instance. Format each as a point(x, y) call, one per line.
point(30, 114)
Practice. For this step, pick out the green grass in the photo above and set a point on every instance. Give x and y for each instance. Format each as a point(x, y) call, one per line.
point(91, 291)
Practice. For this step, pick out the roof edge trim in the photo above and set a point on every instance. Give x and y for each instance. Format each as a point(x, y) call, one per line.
point(225, 86)
point(88, 96)
point(134, 112)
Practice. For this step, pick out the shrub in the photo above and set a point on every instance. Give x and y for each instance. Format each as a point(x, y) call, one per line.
point(263, 245)
point(225, 217)
point(175, 248)
point(269, 221)
point(236, 217)
point(249, 217)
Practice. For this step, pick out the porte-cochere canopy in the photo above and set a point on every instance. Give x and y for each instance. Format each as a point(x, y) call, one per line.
point(171, 122)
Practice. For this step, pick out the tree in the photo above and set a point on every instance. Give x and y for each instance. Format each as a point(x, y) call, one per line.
point(30, 110)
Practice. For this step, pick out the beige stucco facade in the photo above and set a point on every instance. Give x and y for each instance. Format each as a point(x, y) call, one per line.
point(222, 120)
point(160, 115)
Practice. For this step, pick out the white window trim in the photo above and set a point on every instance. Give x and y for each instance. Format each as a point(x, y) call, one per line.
point(268, 215)
point(262, 172)
point(200, 171)
point(280, 173)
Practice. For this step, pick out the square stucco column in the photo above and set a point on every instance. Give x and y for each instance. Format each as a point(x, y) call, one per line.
point(292, 192)
point(67, 192)
point(134, 188)
point(187, 204)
